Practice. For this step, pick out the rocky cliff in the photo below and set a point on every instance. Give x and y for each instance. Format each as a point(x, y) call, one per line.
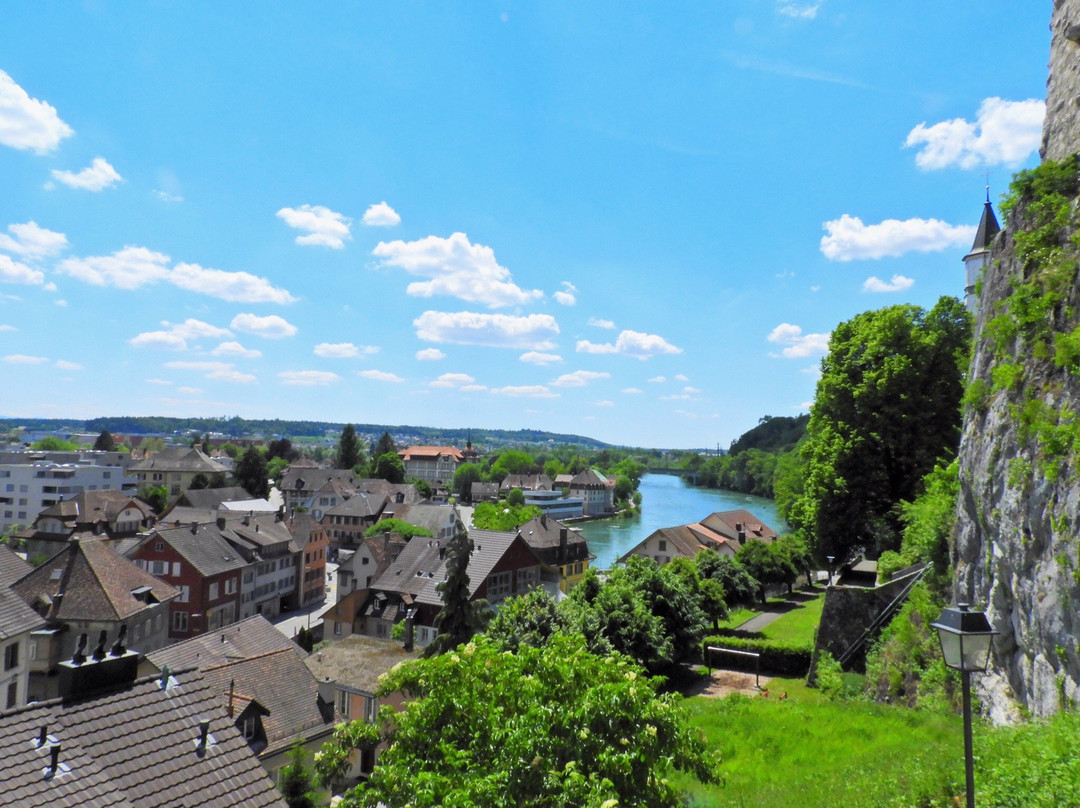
point(1018, 527)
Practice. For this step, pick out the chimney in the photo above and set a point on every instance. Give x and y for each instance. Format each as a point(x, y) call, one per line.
point(221, 522)
point(232, 688)
point(563, 540)
point(204, 737)
point(543, 521)
point(54, 761)
point(194, 527)
point(118, 646)
point(81, 675)
point(80, 650)
point(99, 649)
point(42, 736)
point(410, 629)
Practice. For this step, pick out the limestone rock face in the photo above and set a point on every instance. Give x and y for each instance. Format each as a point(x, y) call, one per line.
point(1018, 527)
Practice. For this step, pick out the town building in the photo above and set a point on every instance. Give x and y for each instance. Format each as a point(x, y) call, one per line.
point(314, 545)
point(108, 513)
point(435, 465)
point(563, 553)
point(17, 624)
point(175, 468)
point(596, 491)
point(976, 261)
point(723, 531)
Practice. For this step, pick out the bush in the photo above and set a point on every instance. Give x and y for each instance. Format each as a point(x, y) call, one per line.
point(783, 659)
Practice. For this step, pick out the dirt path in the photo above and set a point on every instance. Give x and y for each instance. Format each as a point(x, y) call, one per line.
point(723, 683)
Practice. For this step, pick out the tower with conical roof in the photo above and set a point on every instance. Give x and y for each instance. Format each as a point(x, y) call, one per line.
point(976, 260)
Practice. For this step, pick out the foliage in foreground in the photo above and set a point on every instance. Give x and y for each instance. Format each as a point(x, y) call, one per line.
point(545, 727)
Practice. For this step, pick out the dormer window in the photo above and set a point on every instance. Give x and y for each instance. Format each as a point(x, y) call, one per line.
point(250, 727)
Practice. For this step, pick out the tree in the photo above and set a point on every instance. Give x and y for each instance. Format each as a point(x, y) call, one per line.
point(768, 563)
point(385, 445)
point(515, 498)
point(296, 780)
point(198, 482)
point(739, 586)
point(460, 617)
point(156, 496)
point(348, 451)
point(423, 487)
point(512, 461)
point(553, 468)
point(105, 442)
point(281, 448)
point(403, 529)
point(886, 409)
point(52, 444)
point(531, 619)
point(389, 467)
point(252, 473)
point(498, 516)
point(464, 477)
point(545, 727)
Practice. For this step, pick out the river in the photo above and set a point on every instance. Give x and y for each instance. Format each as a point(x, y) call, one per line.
point(666, 501)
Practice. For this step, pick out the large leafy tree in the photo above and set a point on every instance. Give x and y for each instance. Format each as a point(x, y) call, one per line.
point(738, 585)
point(348, 451)
point(464, 477)
point(887, 408)
point(389, 467)
point(252, 473)
point(547, 727)
point(513, 461)
point(768, 563)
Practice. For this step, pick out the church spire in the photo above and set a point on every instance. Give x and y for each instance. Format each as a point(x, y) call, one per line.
point(976, 260)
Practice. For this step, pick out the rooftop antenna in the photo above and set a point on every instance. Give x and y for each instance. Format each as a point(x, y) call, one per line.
point(988, 187)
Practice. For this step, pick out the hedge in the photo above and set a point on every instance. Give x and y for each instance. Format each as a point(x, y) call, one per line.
point(783, 659)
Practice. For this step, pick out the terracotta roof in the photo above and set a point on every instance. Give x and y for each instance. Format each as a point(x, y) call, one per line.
point(96, 582)
point(204, 548)
point(358, 661)
point(134, 748)
point(179, 459)
point(282, 684)
point(248, 638)
point(431, 451)
point(684, 540)
point(729, 523)
point(16, 617)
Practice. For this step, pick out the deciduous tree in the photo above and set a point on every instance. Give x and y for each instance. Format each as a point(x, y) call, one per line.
point(252, 473)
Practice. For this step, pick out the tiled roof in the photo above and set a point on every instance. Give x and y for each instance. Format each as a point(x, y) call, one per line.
point(281, 683)
point(416, 452)
point(589, 478)
point(415, 565)
point(203, 547)
point(89, 508)
point(359, 504)
point(390, 490)
point(489, 546)
point(248, 638)
point(544, 535)
point(302, 526)
point(12, 567)
point(96, 583)
point(16, 617)
point(306, 479)
point(134, 748)
point(212, 498)
point(431, 517)
point(727, 523)
point(358, 661)
point(526, 482)
point(179, 459)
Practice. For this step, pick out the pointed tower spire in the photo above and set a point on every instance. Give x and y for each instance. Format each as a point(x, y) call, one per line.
point(976, 260)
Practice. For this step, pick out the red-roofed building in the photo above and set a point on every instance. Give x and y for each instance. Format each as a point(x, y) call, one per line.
point(433, 464)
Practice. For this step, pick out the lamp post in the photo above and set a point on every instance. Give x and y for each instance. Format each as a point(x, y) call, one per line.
point(965, 644)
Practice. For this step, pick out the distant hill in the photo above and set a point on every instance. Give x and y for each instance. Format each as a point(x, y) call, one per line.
point(772, 434)
point(241, 427)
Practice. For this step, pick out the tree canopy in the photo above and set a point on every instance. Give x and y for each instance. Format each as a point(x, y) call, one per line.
point(460, 618)
point(547, 727)
point(403, 529)
point(502, 516)
point(886, 409)
point(252, 473)
point(105, 442)
point(388, 466)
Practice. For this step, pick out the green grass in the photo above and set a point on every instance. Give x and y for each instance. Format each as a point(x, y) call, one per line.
point(736, 617)
point(797, 626)
point(808, 752)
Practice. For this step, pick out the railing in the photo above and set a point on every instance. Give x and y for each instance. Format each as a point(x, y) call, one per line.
point(884, 616)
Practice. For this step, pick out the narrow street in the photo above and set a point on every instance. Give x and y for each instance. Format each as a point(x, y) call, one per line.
point(288, 623)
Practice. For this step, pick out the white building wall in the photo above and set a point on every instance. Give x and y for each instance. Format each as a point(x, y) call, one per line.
point(27, 488)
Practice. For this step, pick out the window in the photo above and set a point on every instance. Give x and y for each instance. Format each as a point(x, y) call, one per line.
point(11, 656)
point(180, 621)
point(230, 586)
point(499, 584)
point(12, 694)
point(176, 568)
point(185, 594)
point(33, 649)
point(214, 591)
point(343, 702)
point(663, 546)
point(251, 724)
point(159, 546)
point(159, 567)
point(337, 627)
point(364, 560)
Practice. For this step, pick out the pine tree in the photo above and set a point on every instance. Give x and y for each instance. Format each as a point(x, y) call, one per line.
point(385, 445)
point(460, 618)
point(296, 781)
point(348, 453)
point(105, 442)
point(252, 473)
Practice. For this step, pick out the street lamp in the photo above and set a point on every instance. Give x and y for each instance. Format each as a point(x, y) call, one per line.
point(965, 643)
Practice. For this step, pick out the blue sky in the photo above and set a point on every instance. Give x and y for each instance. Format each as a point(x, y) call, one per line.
point(633, 221)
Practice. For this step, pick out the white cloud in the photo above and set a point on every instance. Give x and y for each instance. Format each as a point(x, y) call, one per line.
point(680, 377)
point(535, 331)
point(23, 359)
point(381, 215)
point(676, 397)
point(430, 355)
point(194, 329)
point(159, 339)
point(898, 284)
point(271, 326)
point(230, 375)
point(848, 239)
point(657, 380)
point(568, 295)
point(97, 176)
point(605, 403)
point(61, 303)
point(324, 227)
point(135, 267)
point(455, 267)
point(579, 378)
point(448, 380)
point(631, 343)
point(6, 327)
point(308, 378)
point(689, 389)
point(538, 358)
point(1005, 132)
point(209, 367)
point(527, 391)
point(380, 376)
point(158, 381)
point(14, 272)
point(236, 349)
point(25, 122)
point(190, 391)
point(343, 350)
point(798, 12)
point(165, 196)
point(473, 388)
point(632, 391)
point(31, 241)
point(598, 323)
point(796, 343)
point(50, 287)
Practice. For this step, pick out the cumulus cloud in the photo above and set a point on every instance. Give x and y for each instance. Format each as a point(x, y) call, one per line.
point(1004, 132)
point(898, 284)
point(343, 350)
point(381, 215)
point(657, 380)
point(324, 227)
point(525, 391)
point(535, 331)
point(193, 329)
point(454, 267)
point(797, 344)
point(568, 295)
point(605, 403)
point(31, 241)
point(159, 339)
point(97, 176)
point(271, 326)
point(175, 336)
point(15, 272)
point(598, 323)
point(217, 371)
point(380, 376)
point(23, 359)
point(795, 11)
point(158, 381)
point(632, 391)
point(308, 378)
point(236, 349)
point(207, 366)
point(848, 239)
point(631, 343)
point(452, 380)
point(230, 375)
point(430, 355)
point(538, 358)
point(136, 267)
point(579, 378)
point(681, 377)
point(6, 327)
point(27, 123)
point(189, 391)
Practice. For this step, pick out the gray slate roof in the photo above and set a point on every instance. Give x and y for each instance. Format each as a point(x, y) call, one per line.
point(248, 638)
point(203, 547)
point(16, 617)
point(179, 459)
point(12, 567)
point(134, 748)
point(212, 498)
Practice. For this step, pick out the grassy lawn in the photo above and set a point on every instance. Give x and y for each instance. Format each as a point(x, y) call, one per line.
point(736, 617)
point(798, 625)
point(808, 752)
